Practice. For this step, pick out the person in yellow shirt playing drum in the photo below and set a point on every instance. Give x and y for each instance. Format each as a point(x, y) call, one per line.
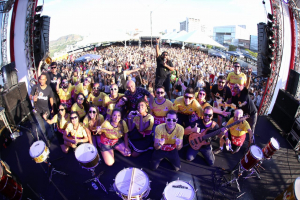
point(91, 121)
point(140, 125)
point(65, 93)
point(96, 98)
point(111, 133)
point(75, 133)
point(168, 141)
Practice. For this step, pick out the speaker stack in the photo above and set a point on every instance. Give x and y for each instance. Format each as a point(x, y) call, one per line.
point(16, 103)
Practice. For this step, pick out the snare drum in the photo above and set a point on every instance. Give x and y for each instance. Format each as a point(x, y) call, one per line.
point(253, 156)
point(271, 148)
point(292, 192)
point(39, 151)
point(178, 190)
point(9, 187)
point(87, 155)
point(140, 187)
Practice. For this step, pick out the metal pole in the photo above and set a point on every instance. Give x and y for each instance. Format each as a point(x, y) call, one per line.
point(151, 25)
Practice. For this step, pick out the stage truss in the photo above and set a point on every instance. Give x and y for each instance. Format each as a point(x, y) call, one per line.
point(296, 15)
point(275, 65)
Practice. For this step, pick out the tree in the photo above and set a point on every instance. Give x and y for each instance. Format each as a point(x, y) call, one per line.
point(252, 53)
point(209, 46)
point(232, 48)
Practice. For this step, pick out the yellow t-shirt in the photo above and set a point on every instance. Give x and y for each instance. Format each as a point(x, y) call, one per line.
point(86, 121)
point(180, 106)
point(79, 133)
point(238, 129)
point(161, 132)
point(148, 117)
point(80, 111)
point(112, 132)
point(110, 104)
point(160, 110)
point(75, 79)
point(65, 95)
point(79, 89)
point(63, 122)
point(240, 79)
point(97, 101)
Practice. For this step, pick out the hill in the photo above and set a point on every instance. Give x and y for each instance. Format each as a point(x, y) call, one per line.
point(62, 42)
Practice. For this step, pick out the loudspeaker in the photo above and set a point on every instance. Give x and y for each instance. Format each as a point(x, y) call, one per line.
point(293, 86)
point(293, 140)
point(282, 118)
point(16, 103)
point(263, 66)
point(296, 128)
point(9, 74)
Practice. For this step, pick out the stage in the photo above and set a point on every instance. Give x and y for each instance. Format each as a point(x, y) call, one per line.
point(279, 172)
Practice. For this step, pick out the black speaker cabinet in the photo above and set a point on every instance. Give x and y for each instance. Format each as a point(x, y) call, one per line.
point(293, 83)
point(10, 75)
point(288, 103)
point(294, 140)
point(296, 128)
point(282, 118)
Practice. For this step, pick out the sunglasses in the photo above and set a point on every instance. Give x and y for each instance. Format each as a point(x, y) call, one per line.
point(160, 92)
point(236, 66)
point(65, 82)
point(53, 67)
point(187, 97)
point(92, 111)
point(61, 110)
point(209, 115)
point(221, 82)
point(115, 89)
point(201, 93)
point(96, 88)
point(73, 118)
point(80, 99)
point(169, 120)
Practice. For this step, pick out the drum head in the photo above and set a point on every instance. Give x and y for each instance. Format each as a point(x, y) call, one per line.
point(1, 171)
point(256, 152)
point(37, 148)
point(140, 182)
point(178, 190)
point(85, 153)
point(297, 188)
point(275, 143)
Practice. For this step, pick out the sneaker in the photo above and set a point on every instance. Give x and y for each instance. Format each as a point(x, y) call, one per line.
point(218, 150)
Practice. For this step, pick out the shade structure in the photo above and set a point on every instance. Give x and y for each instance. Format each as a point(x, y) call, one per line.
point(87, 57)
point(181, 33)
point(168, 36)
point(197, 37)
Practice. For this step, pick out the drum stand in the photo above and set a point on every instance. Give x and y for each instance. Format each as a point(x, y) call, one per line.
point(95, 178)
point(51, 170)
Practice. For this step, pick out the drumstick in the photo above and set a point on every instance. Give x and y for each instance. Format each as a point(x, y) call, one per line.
point(131, 183)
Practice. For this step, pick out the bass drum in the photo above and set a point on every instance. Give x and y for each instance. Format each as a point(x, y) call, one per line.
point(9, 187)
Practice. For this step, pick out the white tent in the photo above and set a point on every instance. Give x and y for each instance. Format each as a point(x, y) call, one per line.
point(197, 37)
point(181, 33)
point(168, 36)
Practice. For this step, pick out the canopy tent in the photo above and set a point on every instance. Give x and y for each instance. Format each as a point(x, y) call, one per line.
point(104, 37)
point(168, 36)
point(197, 37)
point(181, 33)
point(87, 57)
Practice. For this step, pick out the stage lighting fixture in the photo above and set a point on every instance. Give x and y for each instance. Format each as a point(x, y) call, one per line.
point(270, 33)
point(270, 24)
point(271, 41)
point(271, 17)
point(37, 17)
point(39, 9)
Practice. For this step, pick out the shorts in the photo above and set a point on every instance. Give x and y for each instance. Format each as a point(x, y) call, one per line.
point(104, 147)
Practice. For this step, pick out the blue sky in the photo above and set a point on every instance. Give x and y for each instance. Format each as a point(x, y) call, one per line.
point(95, 16)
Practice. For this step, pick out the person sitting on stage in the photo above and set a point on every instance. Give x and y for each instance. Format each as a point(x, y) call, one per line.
point(79, 107)
point(160, 107)
point(199, 126)
point(96, 98)
point(65, 93)
point(168, 140)
point(140, 125)
point(75, 133)
point(111, 132)
point(110, 100)
point(186, 106)
point(135, 94)
point(85, 88)
point(62, 119)
point(91, 121)
point(236, 134)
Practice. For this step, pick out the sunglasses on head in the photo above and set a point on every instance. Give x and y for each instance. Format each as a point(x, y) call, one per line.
point(80, 99)
point(96, 88)
point(209, 115)
point(113, 89)
point(92, 111)
point(187, 97)
point(160, 92)
point(169, 120)
point(73, 118)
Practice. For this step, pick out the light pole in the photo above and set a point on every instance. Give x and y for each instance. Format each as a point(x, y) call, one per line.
point(151, 25)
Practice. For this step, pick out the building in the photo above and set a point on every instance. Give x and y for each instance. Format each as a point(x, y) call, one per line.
point(190, 24)
point(253, 43)
point(240, 43)
point(226, 34)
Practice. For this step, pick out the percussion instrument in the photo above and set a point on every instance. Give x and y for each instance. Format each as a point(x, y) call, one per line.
point(178, 190)
point(9, 187)
point(87, 155)
point(292, 192)
point(140, 185)
point(271, 148)
point(39, 151)
point(252, 157)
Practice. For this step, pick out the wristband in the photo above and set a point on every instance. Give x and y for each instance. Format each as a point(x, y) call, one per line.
point(159, 145)
point(226, 139)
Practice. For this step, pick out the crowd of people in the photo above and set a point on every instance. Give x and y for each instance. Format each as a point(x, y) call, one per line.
point(134, 100)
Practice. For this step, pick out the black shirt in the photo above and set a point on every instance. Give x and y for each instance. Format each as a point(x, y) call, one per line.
point(249, 108)
point(41, 105)
point(220, 93)
point(202, 126)
point(133, 99)
point(161, 70)
point(52, 80)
